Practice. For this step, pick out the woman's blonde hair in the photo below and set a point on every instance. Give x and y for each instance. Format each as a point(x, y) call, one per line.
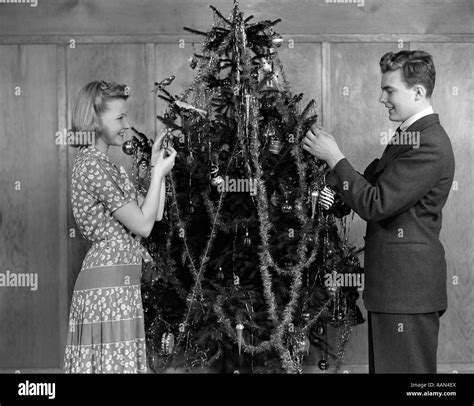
point(90, 103)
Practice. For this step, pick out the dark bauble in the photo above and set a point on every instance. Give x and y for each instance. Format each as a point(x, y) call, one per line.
point(129, 147)
point(323, 365)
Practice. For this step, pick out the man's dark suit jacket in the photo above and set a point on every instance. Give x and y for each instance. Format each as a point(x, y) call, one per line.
point(401, 197)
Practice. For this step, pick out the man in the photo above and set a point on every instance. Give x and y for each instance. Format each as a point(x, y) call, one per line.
point(401, 197)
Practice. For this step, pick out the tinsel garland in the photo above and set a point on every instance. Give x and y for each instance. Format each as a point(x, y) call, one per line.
point(345, 336)
point(266, 261)
point(197, 274)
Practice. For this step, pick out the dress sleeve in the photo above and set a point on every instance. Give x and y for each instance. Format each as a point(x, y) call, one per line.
point(105, 183)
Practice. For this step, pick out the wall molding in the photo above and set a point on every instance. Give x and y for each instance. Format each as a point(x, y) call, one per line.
point(175, 38)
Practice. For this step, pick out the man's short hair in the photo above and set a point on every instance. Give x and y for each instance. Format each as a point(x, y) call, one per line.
point(416, 67)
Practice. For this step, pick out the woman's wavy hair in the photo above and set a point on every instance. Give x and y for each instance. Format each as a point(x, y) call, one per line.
point(90, 104)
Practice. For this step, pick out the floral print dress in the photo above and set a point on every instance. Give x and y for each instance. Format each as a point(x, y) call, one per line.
point(106, 327)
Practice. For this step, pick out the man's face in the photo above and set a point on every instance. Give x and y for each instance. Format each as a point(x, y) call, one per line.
point(397, 97)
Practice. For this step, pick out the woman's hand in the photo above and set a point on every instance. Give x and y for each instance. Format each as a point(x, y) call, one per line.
point(165, 161)
point(155, 151)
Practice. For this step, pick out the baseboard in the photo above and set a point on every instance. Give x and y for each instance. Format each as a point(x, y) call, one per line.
point(452, 368)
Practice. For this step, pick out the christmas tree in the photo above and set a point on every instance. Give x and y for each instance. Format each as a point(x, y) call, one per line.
point(250, 237)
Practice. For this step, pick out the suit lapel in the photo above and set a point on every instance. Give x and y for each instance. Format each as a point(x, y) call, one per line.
point(392, 150)
point(388, 154)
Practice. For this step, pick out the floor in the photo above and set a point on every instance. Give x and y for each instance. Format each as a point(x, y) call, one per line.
point(313, 369)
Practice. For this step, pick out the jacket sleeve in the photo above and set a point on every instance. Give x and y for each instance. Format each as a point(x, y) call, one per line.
point(402, 183)
point(331, 178)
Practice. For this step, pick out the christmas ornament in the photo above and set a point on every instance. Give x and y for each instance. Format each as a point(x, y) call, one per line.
point(165, 82)
point(320, 330)
point(277, 40)
point(220, 274)
point(130, 147)
point(331, 290)
point(167, 343)
point(247, 239)
point(314, 200)
point(307, 346)
point(239, 327)
point(270, 130)
point(144, 143)
point(286, 208)
point(169, 190)
point(323, 365)
point(305, 316)
point(192, 62)
point(186, 106)
point(191, 207)
point(142, 169)
point(326, 198)
point(266, 65)
point(269, 82)
point(216, 179)
point(302, 344)
point(274, 199)
point(275, 146)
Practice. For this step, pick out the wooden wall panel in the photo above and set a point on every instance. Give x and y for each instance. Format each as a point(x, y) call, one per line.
point(117, 17)
point(343, 77)
point(29, 216)
point(302, 65)
point(453, 99)
point(130, 64)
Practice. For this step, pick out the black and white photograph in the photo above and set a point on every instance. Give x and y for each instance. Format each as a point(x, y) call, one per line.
point(200, 188)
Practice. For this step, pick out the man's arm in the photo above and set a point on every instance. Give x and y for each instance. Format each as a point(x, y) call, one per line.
point(403, 182)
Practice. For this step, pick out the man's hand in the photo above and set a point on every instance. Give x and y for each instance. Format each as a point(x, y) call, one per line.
point(322, 145)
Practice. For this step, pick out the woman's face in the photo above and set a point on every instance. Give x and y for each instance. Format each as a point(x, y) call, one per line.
point(115, 122)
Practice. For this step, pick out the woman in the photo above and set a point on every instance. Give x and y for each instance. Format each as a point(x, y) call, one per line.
point(106, 327)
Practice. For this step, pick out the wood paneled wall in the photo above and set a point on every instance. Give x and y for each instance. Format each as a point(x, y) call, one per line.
point(30, 320)
point(123, 17)
point(340, 71)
